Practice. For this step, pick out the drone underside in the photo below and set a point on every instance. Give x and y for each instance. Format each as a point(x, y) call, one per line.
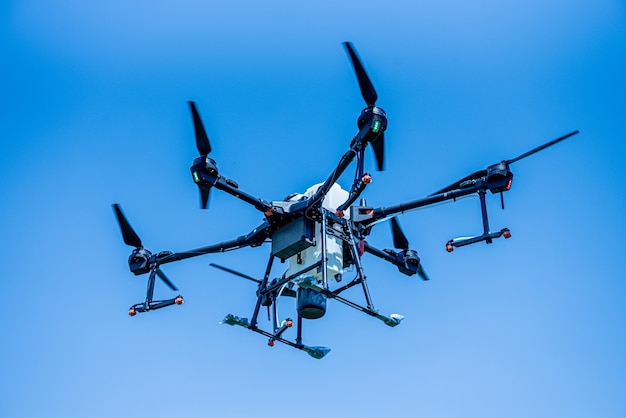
point(319, 234)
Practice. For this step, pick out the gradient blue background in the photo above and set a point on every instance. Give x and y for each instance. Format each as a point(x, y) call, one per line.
point(94, 112)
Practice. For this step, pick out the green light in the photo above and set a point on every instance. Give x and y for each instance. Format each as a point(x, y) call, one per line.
point(196, 177)
point(376, 126)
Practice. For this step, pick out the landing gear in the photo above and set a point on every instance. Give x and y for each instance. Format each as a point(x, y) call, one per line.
point(151, 305)
point(486, 236)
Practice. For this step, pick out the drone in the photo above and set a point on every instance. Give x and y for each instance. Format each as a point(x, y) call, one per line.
point(321, 234)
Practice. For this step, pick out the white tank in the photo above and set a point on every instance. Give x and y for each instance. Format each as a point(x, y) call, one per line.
point(334, 246)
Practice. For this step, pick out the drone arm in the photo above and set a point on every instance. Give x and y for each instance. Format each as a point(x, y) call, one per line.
point(369, 132)
point(379, 253)
point(254, 238)
point(211, 178)
point(383, 212)
point(406, 261)
point(345, 161)
point(231, 188)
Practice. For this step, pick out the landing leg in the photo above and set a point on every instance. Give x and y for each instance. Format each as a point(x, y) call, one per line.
point(361, 274)
point(262, 287)
point(483, 210)
point(299, 336)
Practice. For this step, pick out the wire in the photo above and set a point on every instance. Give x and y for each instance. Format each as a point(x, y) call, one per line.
point(276, 301)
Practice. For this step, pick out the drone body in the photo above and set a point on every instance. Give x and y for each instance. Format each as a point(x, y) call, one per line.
point(319, 233)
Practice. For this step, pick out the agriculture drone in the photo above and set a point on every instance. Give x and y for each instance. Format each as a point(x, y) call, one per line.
point(319, 233)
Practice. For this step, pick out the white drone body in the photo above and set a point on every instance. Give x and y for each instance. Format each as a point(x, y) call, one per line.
point(333, 245)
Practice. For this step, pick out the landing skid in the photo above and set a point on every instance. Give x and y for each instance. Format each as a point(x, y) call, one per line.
point(391, 320)
point(152, 305)
point(487, 237)
point(315, 351)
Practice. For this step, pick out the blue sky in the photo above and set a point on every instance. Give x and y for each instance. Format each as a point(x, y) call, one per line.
point(94, 112)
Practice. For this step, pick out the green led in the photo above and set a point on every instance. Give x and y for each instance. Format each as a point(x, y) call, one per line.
point(376, 126)
point(196, 177)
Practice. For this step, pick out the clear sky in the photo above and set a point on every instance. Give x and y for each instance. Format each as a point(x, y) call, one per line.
point(94, 112)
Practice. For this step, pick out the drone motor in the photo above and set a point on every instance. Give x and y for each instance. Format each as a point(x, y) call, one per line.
point(499, 178)
point(408, 262)
point(139, 261)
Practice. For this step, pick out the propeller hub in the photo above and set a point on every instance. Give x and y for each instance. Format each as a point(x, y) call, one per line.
point(139, 261)
point(408, 262)
point(375, 113)
point(499, 177)
point(206, 164)
point(205, 174)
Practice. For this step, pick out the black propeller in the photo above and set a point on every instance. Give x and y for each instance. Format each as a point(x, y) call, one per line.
point(236, 273)
point(204, 148)
point(167, 281)
point(369, 95)
point(379, 152)
point(482, 173)
point(128, 233)
point(367, 88)
point(541, 147)
point(402, 243)
point(132, 239)
point(202, 139)
point(399, 239)
point(285, 292)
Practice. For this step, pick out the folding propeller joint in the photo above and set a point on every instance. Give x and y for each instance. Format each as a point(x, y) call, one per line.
point(361, 214)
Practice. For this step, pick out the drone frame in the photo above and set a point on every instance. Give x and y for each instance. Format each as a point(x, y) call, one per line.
point(351, 231)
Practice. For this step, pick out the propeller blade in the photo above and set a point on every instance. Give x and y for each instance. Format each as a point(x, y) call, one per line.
point(285, 292)
point(399, 239)
point(401, 242)
point(483, 173)
point(367, 88)
point(236, 273)
point(421, 272)
point(202, 139)
point(167, 281)
point(457, 185)
point(379, 152)
point(542, 147)
point(204, 197)
point(128, 233)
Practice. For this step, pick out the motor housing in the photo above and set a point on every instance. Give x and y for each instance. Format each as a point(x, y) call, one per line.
point(499, 177)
